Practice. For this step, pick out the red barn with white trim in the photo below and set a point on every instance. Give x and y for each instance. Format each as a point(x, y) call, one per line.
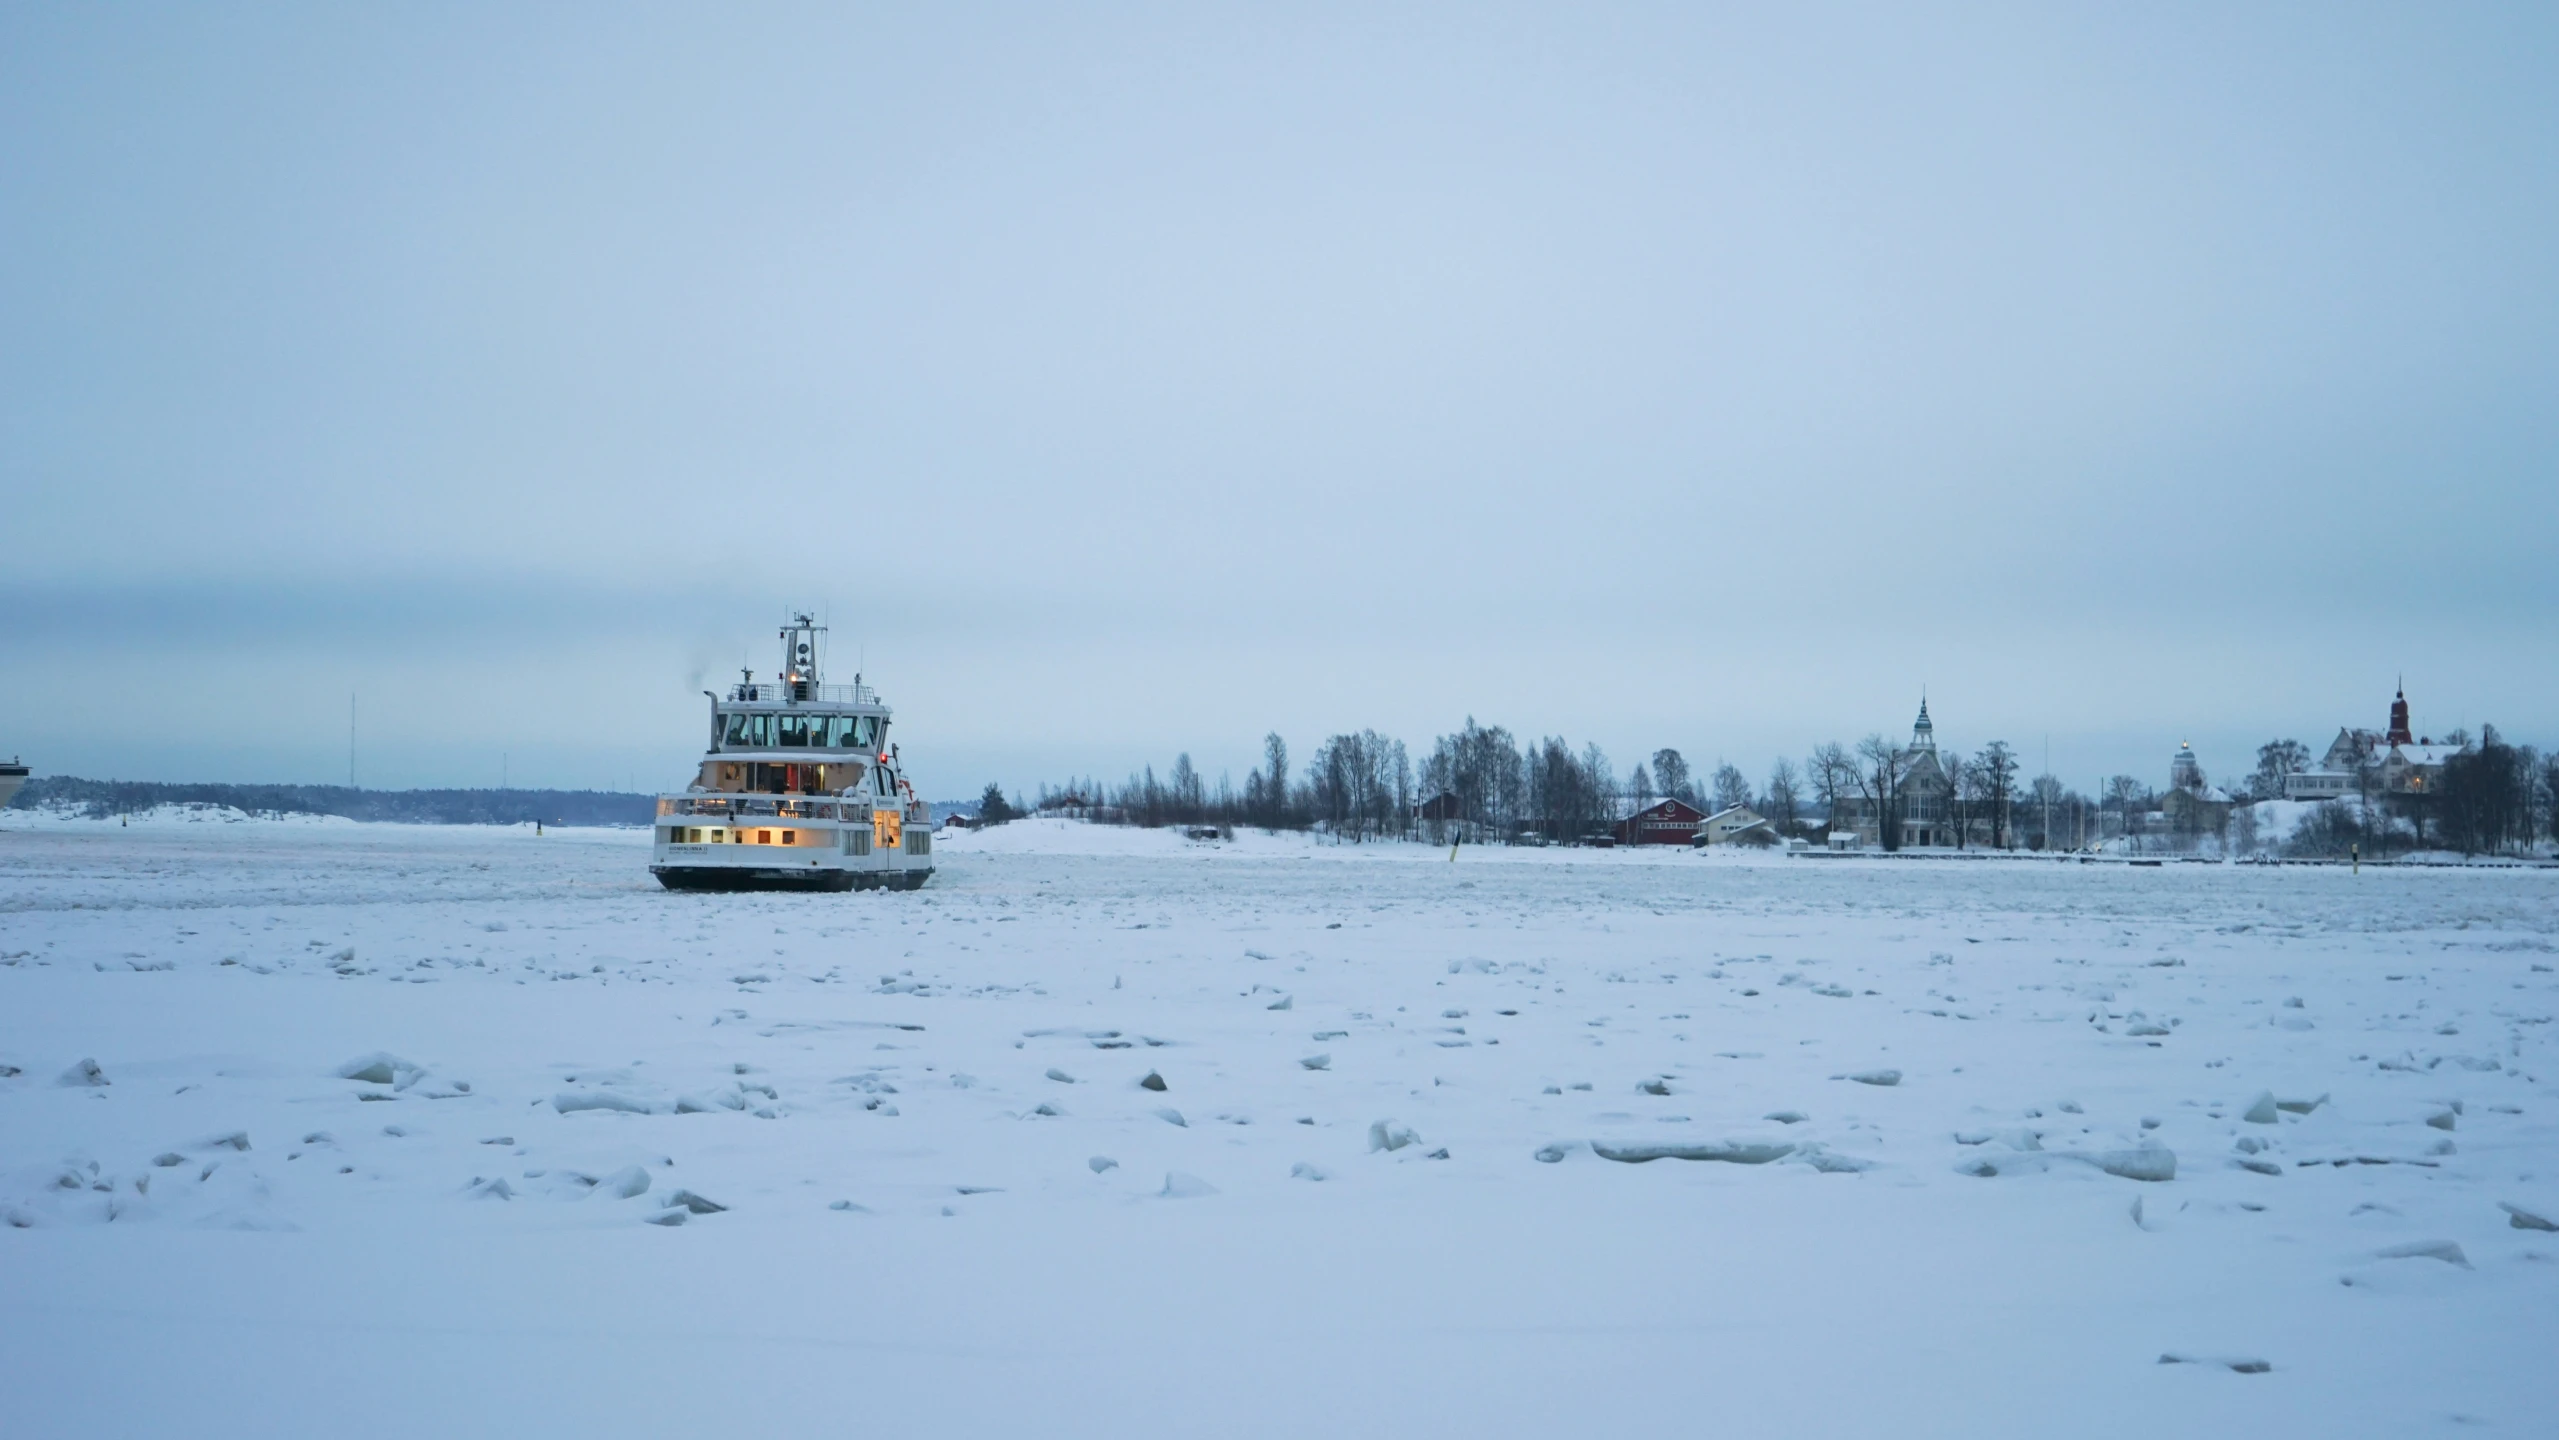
point(1664, 822)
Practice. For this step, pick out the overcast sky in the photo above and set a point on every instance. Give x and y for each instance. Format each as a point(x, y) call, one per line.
point(1122, 381)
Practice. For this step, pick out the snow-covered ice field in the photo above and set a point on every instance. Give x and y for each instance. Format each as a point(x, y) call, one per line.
point(386, 1123)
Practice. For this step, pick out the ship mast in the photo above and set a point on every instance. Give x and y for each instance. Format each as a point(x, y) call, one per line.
point(803, 646)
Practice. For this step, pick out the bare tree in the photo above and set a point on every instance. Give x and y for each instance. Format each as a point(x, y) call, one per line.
point(2478, 793)
point(1881, 767)
point(1783, 803)
point(1670, 772)
point(2125, 792)
point(1599, 786)
point(1185, 797)
point(1994, 773)
point(1274, 781)
point(2276, 761)
point(1401, 764)
point(1834, 777)
point(1555, 790)
point(1732, 787)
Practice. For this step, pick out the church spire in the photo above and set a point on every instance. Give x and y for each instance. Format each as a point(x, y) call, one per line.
point(1923, 735)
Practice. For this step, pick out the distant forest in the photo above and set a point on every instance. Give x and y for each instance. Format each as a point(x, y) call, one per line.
point(104, 798)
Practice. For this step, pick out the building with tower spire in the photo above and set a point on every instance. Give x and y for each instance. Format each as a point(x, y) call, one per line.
point(2193, 807)
point(2395, 761)
point(1920, 814)
point(2185, 772)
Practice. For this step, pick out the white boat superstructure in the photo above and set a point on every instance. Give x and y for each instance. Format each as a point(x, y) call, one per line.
point(800, 790)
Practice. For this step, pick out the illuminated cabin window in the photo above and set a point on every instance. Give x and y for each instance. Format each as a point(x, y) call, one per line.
point(790, 837)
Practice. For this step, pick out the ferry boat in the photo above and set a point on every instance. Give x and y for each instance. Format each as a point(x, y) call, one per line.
point(12, 775)
point(800, 790)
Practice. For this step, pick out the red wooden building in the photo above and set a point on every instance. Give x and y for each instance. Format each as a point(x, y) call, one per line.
point(1664, 822)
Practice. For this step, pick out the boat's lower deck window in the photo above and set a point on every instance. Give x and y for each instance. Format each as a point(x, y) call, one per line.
point(725, 835)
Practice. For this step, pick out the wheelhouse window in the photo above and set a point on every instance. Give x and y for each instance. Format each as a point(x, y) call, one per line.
point(846, 732)
point(747, 731)
point(798, 730)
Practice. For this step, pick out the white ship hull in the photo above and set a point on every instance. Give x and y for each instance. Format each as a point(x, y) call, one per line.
point(755, 842)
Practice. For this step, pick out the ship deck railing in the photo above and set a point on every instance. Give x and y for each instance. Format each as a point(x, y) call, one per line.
point(785, 692)
point(779, 807)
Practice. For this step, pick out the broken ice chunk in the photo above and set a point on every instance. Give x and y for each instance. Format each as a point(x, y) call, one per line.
point(1732, 1152)
point(2522, 1219)
point(2150, 1162)
point(1390, 1135)
point(377, 1068)
point(569, 1102)
point(2448, 1251)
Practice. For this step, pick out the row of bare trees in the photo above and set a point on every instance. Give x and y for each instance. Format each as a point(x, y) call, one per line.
point(1482, 783)
point(1361, 785)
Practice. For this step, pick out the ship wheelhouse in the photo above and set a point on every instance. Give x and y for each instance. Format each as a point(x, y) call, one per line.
point(800, 789)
